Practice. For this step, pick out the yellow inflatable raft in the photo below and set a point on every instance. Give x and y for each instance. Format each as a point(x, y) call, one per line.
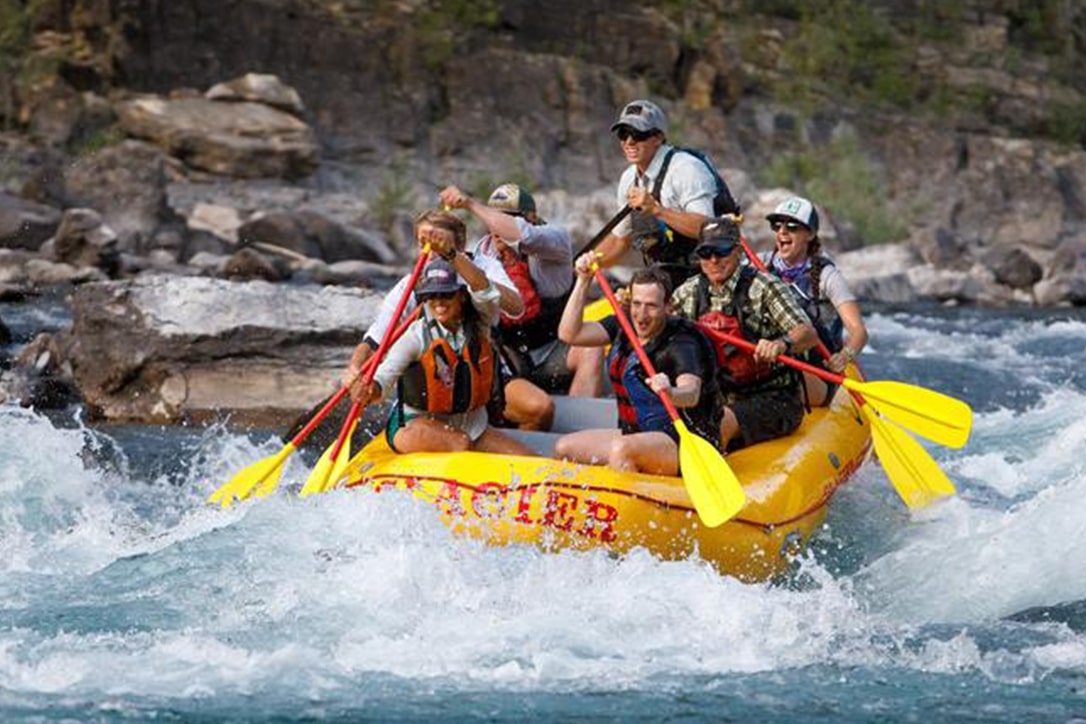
point(554, 504)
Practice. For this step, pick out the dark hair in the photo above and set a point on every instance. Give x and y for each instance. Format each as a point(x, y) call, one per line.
point(653, 275)
point(814, 252)
point(446, 221)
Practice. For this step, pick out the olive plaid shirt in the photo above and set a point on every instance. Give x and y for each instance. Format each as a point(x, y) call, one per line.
point(771, 311)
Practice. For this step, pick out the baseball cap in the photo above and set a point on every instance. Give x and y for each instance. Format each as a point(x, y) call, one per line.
point(438, 277)
point(796, 208)
point(641, 115)
point(719, 233)
point(511, 199)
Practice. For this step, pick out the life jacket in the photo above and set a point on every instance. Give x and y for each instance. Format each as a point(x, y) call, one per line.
point(639, 407)
point(539, 322)
point(658, 242)
point(827, 322)
point(443, 381)
point(737, 368)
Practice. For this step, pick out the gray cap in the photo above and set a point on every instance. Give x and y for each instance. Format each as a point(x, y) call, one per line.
point(643, 116)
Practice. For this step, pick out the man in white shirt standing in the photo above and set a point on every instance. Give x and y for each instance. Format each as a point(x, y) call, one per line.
point(670, 191)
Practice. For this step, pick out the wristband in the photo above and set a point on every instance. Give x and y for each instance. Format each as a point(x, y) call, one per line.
point(787, 343)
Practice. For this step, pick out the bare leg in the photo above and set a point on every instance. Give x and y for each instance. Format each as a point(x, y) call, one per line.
point(729, 428)
point(586, 363)
point(424, 434)
point(586, 446)
point(496, 441)
point(816, 390)
point(528, 406)
point(647, 452)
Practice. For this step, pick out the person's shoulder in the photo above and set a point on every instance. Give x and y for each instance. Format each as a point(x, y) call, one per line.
point(690, 286)
point(683, 159)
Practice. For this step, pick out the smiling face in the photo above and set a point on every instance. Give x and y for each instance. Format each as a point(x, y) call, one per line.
point(717, 269)
point(448, 309)
point(793, 240)
point(639, 152)
point(648, 310)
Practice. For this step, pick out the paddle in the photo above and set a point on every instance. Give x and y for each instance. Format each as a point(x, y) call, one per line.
point(933, 415)
point(332, 463)
point(262, 477)
point(710, 482)
point(916, 477)
point(607, 229)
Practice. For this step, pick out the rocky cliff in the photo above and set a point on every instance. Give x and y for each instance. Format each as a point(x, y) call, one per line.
point(954, 127)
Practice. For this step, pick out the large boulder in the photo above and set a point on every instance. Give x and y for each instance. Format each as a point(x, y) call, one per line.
point(169, 349)
point(243, 139)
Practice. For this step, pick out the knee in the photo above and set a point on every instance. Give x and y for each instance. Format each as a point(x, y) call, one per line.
point(540, 410)
point(621, 453)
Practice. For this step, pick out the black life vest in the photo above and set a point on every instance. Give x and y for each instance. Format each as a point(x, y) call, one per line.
point(658, 242)
point(737, 368)
point(442, 381)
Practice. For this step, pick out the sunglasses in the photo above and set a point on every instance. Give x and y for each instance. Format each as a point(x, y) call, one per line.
point(625, 134)
point(790, 225)
point(444, 296)
point(710, 252)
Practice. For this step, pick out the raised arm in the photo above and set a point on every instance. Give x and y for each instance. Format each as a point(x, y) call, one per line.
point(573, 330)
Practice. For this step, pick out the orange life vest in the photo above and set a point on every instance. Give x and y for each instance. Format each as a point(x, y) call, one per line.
point(443, 382)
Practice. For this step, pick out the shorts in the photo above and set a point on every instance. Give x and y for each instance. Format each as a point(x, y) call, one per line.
point(397, 419)
point(552, 374)
point(766, 416)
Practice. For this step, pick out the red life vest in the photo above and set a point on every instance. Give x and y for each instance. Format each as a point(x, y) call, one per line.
point(516, 267)
point(538, 324)
point(738, 368)
point(444, 382)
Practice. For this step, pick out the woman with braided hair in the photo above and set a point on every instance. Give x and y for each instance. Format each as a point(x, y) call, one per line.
point(820, 288)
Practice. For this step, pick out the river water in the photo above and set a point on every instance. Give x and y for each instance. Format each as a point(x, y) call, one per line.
point(125, 597)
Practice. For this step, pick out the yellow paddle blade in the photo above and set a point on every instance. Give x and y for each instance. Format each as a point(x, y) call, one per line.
point(938, 417)
point(318, 477)
point(917, 478)
point(327, 472)
point(710, 482)
point(259, 479)
point(339, 468)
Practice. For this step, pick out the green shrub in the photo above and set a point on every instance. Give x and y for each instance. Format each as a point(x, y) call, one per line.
point(395, 195)
point(840, 178)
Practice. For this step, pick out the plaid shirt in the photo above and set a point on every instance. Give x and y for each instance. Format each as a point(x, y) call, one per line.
point(770, 310)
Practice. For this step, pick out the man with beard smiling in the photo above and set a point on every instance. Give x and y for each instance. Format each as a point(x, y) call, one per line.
point(646, 440)
point(761, 400)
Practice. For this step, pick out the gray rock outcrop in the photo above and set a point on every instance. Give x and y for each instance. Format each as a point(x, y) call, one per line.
point(170, 349)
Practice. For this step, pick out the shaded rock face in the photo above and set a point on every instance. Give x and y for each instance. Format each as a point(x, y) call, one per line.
point(25, 224)
point(127, 185)
point(169, 349)
point(82, 240)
